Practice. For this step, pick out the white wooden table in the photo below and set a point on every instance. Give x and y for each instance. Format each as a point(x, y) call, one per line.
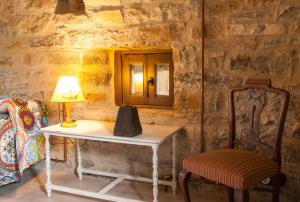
point(153, 136)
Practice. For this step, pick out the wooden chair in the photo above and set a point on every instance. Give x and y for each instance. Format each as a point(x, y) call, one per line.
point(237, 168)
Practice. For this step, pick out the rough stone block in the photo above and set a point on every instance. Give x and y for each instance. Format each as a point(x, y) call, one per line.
point(5, 61)
point(36, 24)
point(95, 69)
point(42, 41)
point(241, 62)
point(176, 31)
point(109, 17)
point(47, 41)
point(63, 58)
point(36, 4)
point(97, 3)
point(16, 45)
point(71, 20)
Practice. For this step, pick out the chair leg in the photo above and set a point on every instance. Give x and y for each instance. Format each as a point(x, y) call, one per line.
point(184, 177)
point(275, 188)
point(230, 194)
point(241, 195)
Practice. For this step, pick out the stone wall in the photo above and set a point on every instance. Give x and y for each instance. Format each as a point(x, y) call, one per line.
point(38, 46)
point(253, 38)
point(243, 38)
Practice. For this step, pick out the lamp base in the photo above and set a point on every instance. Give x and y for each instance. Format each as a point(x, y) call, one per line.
point(68, 124)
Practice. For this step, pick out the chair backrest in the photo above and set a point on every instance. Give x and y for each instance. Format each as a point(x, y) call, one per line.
point(257, 90)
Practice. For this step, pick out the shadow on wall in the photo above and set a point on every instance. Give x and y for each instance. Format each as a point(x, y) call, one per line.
point(70, 6)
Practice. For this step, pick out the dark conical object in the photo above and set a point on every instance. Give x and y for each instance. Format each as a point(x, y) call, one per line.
point(128, 123)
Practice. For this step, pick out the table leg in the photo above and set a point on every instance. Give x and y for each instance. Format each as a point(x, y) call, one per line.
point(48, 168)
point(79, 167)
point(155, 172)
point(174, 181)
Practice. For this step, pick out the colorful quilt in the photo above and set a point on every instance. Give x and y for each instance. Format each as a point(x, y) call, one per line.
point(21, 143)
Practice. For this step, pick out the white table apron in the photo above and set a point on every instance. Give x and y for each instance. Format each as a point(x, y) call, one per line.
point(103, 193)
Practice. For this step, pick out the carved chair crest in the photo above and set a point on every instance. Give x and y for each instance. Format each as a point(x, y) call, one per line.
point(256, 91)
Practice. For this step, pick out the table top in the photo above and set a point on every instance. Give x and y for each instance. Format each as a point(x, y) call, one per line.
point(103, 131)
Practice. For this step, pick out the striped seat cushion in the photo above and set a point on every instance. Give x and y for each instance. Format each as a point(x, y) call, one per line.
point(235, 168)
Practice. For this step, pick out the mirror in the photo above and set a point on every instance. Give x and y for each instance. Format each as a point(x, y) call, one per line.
point(162, 79)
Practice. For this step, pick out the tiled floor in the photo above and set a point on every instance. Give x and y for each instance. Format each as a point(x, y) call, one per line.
point(31, 189)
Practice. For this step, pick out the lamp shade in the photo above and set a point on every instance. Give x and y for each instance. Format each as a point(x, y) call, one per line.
point(67, 90)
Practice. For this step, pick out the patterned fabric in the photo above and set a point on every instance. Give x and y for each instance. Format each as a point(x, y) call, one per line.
point(235, 168)
point(21, 143)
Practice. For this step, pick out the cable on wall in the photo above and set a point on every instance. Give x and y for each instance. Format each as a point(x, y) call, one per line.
point(202, 78)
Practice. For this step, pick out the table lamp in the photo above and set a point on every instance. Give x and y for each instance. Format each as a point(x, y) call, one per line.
point(67, 91)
